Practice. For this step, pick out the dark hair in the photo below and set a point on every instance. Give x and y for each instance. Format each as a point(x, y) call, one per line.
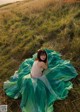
point(41, 52)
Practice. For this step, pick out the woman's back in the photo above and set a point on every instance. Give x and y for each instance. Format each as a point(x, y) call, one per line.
point(36, 70)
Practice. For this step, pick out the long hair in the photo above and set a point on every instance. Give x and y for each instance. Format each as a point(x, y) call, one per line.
point(39, 53)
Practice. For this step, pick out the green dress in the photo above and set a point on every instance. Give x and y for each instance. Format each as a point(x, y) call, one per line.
point(39, 94)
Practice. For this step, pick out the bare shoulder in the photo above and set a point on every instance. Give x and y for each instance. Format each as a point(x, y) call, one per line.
point(41, 63)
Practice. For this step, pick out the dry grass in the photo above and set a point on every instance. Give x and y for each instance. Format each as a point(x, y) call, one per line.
point(31, 6)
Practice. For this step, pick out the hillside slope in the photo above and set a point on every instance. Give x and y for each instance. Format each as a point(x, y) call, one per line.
point(44, 24)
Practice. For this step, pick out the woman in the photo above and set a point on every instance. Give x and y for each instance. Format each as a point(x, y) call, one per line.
point(40, 81)
point(40, 64)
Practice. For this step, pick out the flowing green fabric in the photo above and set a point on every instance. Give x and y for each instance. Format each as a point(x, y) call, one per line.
point(39, 94)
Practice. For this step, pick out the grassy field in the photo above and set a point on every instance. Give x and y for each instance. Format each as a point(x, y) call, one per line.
point(44, 24)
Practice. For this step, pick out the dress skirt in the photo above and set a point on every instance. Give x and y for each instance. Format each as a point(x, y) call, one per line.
point(39, 94)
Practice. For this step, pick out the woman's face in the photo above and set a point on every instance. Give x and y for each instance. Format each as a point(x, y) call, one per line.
point(43, 57)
